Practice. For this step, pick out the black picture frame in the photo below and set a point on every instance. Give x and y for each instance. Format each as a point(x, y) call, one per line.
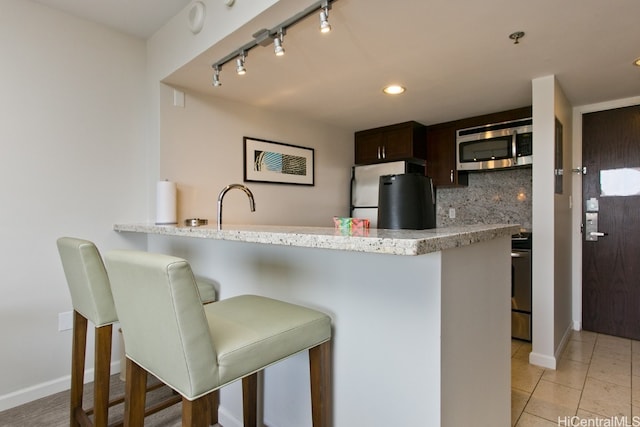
point(277, 162)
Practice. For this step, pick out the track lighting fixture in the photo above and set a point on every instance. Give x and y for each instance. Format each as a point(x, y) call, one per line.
point(277, 43)
point(240, 68)
point(325, 27)
point(216, 76)
point(265, 37)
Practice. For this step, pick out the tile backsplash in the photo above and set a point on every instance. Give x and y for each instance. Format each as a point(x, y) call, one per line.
point(491, 197)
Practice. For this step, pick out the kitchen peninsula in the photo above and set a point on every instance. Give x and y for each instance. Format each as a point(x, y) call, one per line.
point(421, 318)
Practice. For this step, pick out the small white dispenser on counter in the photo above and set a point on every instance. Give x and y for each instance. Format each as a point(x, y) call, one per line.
point(166, 203)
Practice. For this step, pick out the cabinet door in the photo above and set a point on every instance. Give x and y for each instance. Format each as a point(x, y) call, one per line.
point(402, 141)
point(398, 144)
point(368, 148)
point(441, 157)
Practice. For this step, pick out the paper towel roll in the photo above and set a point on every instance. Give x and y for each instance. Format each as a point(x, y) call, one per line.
point(166, 197)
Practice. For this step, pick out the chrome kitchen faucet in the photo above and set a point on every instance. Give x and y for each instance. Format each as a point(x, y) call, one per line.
point(252, 204)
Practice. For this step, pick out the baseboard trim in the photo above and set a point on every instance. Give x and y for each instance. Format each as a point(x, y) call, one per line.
point(542, 360)
point(551, 362)
point(563, 342)
point(38, 391)
point(577, 325)
point(226, 419)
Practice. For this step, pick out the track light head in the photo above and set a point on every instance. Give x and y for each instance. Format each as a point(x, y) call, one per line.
point(240, 68)
point(278, 49)
point(216, 76)
point(277, 43)
point(325, 27)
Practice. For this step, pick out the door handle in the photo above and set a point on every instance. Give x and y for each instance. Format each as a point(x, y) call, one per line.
point(598, 234)
point(591, 227)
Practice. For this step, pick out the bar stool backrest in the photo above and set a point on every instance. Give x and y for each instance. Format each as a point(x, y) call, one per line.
point(87, 280)
point(165, 327)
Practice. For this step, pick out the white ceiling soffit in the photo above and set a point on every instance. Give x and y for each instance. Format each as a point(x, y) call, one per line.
point(139, 18)
point(454, 57)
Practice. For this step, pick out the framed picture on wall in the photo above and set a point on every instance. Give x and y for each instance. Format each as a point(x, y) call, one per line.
point(275, 162)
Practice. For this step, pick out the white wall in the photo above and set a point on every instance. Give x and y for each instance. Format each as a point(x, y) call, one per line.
point(563, 231)
point(543, 222)
point(551, 217)
point(73, 161)
point(202, 150)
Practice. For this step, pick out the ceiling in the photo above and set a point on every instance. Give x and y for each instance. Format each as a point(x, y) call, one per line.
point(140, 18)
point(454, 56)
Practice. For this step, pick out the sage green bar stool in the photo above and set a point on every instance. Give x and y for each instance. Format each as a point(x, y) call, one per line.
point(197, 349)
point(92, 300)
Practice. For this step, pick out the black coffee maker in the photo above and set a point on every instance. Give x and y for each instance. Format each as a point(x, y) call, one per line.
point(406, 201)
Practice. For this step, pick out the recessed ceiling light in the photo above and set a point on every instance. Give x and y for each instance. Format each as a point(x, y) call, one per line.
point(393, 89)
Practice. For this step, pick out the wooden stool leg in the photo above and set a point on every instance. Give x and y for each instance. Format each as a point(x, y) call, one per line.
point(196, 413)
point(101, 376)
point(135, 395)
point(78, 351)
point(214, 402)
point(250, 400)
point(321, 396)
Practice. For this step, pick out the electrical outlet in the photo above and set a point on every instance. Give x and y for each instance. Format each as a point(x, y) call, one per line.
point(65, 321)
point(452, 213)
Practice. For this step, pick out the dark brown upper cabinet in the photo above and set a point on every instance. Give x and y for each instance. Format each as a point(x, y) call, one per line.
point(402, 141)
point(441, 156)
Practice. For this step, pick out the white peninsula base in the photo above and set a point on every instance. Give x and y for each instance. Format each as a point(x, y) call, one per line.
point(418, 340)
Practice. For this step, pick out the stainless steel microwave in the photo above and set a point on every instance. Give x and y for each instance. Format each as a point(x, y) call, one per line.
point(497, 146)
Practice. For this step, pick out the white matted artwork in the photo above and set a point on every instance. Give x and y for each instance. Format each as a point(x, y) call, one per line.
point(620, 182)
point(276, 162)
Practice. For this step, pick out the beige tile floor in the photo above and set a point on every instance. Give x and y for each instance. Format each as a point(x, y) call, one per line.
point(598, 379)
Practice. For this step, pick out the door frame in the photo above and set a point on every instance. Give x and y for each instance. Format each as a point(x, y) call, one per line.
point(576, 220)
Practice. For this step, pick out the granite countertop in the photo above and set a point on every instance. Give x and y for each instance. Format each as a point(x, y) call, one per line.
point(395, 242)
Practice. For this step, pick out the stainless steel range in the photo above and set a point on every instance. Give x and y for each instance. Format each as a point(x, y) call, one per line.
point(521, 286)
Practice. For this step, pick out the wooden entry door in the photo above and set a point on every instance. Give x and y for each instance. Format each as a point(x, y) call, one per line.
point(611, 265)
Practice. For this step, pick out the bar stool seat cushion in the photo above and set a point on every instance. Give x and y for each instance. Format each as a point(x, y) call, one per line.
point(246, 343)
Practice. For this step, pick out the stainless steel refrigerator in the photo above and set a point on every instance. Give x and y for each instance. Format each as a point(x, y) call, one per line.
point(364, 186)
